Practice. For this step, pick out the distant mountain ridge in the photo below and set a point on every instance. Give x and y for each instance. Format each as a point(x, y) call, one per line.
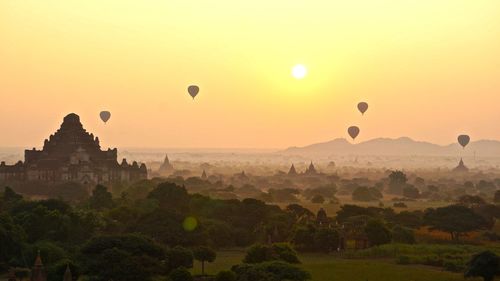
point(403, 146)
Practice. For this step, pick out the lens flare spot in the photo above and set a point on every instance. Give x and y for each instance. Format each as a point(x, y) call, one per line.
point(190, 224)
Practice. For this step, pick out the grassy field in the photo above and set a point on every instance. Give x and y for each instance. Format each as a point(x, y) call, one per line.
point(330, 268)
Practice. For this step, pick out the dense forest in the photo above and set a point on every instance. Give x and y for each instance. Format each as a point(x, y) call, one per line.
point(156, 229)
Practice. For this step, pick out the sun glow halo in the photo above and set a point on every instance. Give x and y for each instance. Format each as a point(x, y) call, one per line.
point(299, 71)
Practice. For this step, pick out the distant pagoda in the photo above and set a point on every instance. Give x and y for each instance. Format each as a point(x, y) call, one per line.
point(292, 171)
point(461, 168)
point(38, 271)
point(166, 167)
point(67, 274)
point(311, 170)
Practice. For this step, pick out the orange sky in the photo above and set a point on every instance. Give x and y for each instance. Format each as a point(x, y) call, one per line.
point(430, 70)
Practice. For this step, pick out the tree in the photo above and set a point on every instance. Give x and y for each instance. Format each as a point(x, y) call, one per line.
point(261, 253)
point(486, 186)
point(101, 198)
point(318, 199)
point(485, 265)
point(12, 237)
point(299, 212)
point(116, 264)
point(411, 192)
point(397, 180)
point(284, 194)
point(53, 220)
point(180, 274)
point(471, 201)
point(220, 234)
point(496, 199)
point(366, 194)
point(178, 257)
point(122, 257)
point(454, 219)
point(170, 196)
point(408, 219)
point(327, 191)
point(489, 212)
point(347, 211)
point(225, 275)
point(419, 181)
point(326, 239)
point(377, 233)
point(204, 254)
point(303, 238)
point(403, 235)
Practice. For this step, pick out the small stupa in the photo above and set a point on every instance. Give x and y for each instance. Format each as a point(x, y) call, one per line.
point(38, 271)
point(311, 170)
point(67, 274)
point(461, 168)
point(166, 167)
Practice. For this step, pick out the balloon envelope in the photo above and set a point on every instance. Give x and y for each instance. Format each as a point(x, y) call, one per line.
point(193, 90)
point(362, 107)
point(105, 115)
point(463, 140)
point(353, 132)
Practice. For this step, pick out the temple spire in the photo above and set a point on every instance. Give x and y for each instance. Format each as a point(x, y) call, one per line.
point(38, 271)
point(292, 171)
point(166, 167)
point(311, 169)
point(67, 274)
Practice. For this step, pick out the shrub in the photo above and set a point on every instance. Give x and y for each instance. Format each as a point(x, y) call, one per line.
point(403, 260)
point(453, 265)
point(400, 205)
point(403, 235)
point(180, 274)
point(225, 276)
point(432, 260)
point(279, 251)
point(270, 271)
point(377, 233)
point(318, 199)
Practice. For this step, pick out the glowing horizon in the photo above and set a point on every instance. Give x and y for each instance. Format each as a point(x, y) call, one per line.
point(429, 71)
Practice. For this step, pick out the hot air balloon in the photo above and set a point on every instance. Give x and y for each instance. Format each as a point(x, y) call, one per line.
point(105, 115)
point(193, 90)
point(463, 140)
point(362, 107)
point(353, 131)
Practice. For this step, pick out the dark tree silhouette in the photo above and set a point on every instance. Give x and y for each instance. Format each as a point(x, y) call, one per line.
point(101, 198)
point(204, 254)
point(454, 219)
point(485, 265)
point(377, 233)
point(397, 181)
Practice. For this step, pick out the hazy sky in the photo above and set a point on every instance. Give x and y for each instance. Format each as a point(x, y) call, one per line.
point(430, 70)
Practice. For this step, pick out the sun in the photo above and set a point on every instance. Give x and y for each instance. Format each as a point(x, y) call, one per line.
point(299, 71)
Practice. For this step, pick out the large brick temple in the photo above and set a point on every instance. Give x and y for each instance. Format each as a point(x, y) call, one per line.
point(72, 155)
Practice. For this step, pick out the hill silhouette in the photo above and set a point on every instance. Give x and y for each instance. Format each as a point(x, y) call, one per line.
point(403, 146)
